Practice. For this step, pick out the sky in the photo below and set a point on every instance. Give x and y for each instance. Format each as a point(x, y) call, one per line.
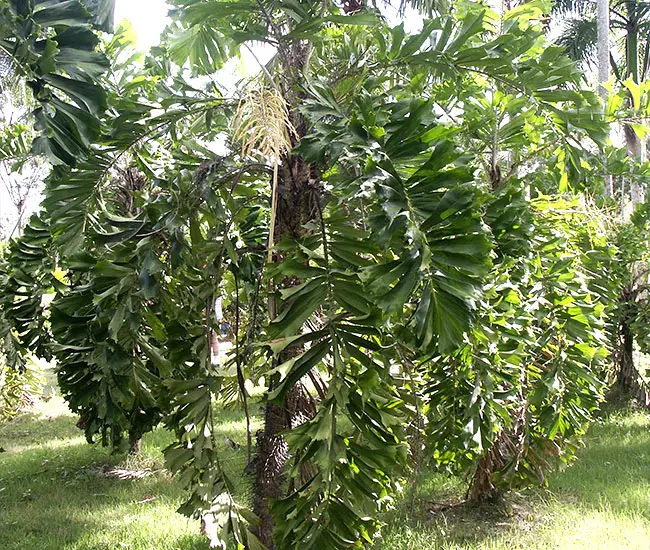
point(148, 18)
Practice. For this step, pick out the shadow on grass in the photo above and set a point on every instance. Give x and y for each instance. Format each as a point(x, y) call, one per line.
point(611, 475)
point(53, 494)
point(65, 497)
point(440, 518)
point(56, 491)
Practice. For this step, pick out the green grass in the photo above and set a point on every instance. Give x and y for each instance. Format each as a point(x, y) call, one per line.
point(55, 494)
point(602, 501)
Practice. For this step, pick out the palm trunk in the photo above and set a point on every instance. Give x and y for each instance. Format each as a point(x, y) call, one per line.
point(634, 146)
point(603, 45)
point(603, 68)
point(298, 198)
point(482, 487)
point(135, 443)
point(627, 377)
point(272, 455)
point(293, 203)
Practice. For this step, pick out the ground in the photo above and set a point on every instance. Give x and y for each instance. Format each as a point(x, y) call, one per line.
point(59, 493)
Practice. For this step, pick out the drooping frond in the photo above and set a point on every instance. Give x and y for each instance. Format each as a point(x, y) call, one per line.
point(579, 37)
point(58, 60)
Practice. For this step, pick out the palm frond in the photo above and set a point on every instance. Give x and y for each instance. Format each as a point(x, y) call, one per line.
point(579, 38)
point(429, 7)
point(573, 7)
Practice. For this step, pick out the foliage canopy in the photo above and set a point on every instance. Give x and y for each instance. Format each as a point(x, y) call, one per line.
point(391, 283)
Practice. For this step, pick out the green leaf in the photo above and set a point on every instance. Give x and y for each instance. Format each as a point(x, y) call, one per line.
point(67, 12)
point(300, 367)
point(86, 95)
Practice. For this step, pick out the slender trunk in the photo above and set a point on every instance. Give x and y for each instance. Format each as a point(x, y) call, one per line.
point(298, 199)
point(604, 69)
point(632, 45)
point(634, 146)
point(627, 376)
point(240, 377)
point(635, 149)
point(603, 45)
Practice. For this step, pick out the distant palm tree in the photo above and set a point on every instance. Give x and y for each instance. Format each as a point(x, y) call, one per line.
point(629, 26)
point(629, 23)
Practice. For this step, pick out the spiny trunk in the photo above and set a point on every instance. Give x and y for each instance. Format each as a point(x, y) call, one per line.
point(298, 202)
point(296, 196)
point(273, 454)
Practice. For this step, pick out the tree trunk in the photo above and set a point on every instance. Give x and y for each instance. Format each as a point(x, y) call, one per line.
point(296, 195)
point(603, 45)
point(135, 444)
point(272, 456)
point(635, 147)
point(482, 487)
point(604, 68)
point(298, 199)
point(627, 377)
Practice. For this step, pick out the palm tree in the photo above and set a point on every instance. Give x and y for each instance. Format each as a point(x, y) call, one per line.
point(628, 20)
point(585, 34)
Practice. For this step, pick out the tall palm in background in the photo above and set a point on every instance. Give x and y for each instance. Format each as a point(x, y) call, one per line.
point(602, 51)
point(586, 41)
point(629, 24)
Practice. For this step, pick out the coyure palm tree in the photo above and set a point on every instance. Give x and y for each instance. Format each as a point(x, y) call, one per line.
point(363, 217)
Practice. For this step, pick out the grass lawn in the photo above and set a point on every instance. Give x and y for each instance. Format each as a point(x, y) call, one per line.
point(59, 493)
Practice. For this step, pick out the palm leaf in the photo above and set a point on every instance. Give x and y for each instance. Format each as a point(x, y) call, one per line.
point(578, 38)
